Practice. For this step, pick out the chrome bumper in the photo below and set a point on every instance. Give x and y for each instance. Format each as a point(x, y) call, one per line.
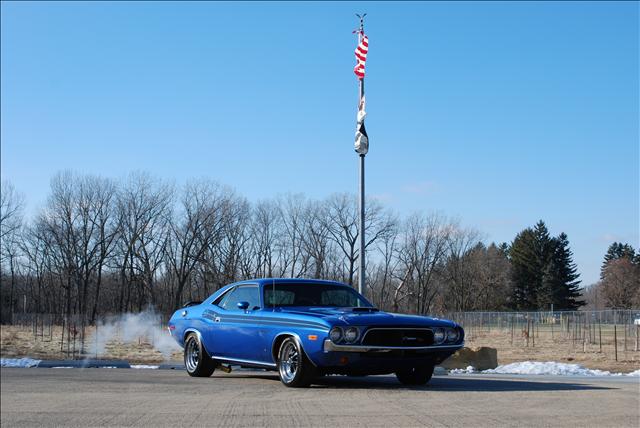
point(329, 346)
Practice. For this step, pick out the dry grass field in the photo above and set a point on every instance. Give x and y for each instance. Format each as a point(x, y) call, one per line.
point(18, 341)
point(548, 346)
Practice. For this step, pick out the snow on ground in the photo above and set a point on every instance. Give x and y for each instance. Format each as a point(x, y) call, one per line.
point(18, 362)
point(143, 366)
point(544, 368)
point(468, 370)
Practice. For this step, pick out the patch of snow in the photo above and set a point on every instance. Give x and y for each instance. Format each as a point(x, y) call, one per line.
point(634, 373)
point(143, 366)
point(18, 362)
point(468, 370)
point(543, 368)
point(548, 368)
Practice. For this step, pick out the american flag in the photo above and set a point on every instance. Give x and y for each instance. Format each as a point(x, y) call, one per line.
point(361, 56)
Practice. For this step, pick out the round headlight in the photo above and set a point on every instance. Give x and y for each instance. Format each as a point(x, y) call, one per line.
point(335, 334)
point(452, 335)
point(351, 334)
point(438, 335)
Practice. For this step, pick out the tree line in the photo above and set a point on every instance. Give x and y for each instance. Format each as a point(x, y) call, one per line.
point(101, 246)
point(619, 285)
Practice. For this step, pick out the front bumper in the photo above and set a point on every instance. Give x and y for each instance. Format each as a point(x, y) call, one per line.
point(369, 360)
point(329, 346)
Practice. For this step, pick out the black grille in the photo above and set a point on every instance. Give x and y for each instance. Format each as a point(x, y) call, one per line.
point(406, 337)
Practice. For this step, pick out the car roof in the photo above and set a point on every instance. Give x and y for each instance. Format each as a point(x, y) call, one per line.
point(300, 281)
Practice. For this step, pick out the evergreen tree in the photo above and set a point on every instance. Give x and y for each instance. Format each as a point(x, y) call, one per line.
point(566, 292)
point(525, 272)
point(543, 271)
point(549, 291)
point(544, 247)
point(504, 249)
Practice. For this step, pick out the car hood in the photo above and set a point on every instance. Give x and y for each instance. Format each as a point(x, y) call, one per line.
point(363, 317)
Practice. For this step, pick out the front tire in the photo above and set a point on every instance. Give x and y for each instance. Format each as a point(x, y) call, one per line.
point(419, 375)
point(294, 367)
point(196, 359)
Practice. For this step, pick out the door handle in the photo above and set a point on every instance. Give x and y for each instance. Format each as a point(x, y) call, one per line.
point(216, 319)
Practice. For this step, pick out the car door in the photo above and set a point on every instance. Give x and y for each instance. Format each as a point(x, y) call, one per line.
point(236, 332)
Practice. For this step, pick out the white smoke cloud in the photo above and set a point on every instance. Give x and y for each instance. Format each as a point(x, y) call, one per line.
point(131, 328)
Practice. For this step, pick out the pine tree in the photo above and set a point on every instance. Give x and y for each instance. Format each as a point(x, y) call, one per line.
point(545, 247)
point(504, 248)
point(543, 271)
point(567, 286)
point(525, 273)
point(549, 291)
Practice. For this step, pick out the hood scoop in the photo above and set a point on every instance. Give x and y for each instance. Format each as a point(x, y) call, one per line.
point(365, 310)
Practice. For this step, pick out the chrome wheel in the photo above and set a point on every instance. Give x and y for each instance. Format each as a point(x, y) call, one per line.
point(289, 361)
point(192, 355)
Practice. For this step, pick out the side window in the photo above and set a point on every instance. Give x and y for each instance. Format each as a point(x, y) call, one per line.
point(243, 293)
point(278, 297)
point(338, 298)
point(220, 299)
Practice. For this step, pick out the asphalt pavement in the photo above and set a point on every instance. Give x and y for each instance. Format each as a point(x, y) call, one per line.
point(136, 398)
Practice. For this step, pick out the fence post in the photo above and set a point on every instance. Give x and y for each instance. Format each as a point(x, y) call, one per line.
point(512, 327)
point(615, 341)
point(600, 334)
point(62, 337)
point(533, 328)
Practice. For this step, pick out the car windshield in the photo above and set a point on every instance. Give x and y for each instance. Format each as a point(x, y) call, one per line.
point(300, 294)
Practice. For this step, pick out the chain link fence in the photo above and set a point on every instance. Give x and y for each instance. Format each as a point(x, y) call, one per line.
point(611, 332)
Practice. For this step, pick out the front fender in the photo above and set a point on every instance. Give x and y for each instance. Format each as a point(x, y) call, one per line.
point(310, 346)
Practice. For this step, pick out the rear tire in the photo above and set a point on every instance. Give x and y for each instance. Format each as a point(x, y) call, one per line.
point(196, 359)
point(419, 375)
point(294, 367)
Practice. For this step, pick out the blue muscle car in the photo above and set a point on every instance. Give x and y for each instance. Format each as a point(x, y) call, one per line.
point(308, 328)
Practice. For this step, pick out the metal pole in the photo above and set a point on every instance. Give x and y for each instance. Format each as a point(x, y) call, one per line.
point(361, 276)
point(361, 273)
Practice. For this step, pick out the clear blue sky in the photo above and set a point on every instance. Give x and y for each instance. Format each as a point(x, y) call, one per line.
point(498, 113)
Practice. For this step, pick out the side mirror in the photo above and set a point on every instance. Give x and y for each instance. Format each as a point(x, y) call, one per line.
point(243, 306)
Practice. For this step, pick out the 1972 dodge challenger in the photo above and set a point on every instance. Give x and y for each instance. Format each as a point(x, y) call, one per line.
point(308, 328)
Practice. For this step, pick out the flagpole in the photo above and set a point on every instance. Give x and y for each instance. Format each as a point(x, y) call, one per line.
point(361, 275)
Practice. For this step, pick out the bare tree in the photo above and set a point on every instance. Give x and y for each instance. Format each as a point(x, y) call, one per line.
point(191, 231)
point(292, 209)
point(11, 218)
point(621, 283)
point(225, 238)
point(421, 255)
point(381, 280)
point(11, 209)
point(343, 226)
point(315, 237)
point(144, 209)
point(265, 230)
point(463, 278)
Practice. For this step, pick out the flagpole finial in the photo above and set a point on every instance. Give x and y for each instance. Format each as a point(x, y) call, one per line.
point(361, 17)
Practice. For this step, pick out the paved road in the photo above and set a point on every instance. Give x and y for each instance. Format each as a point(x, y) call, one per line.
point(127, 397)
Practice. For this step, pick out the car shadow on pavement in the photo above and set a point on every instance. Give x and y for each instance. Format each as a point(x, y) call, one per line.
point(438, 383)
point(449, 383)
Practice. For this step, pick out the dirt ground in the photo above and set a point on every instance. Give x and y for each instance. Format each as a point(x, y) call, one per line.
point(17, 341)
point(555, 346)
